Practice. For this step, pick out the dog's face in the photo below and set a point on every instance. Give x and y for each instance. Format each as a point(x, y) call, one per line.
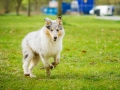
point(54, 28)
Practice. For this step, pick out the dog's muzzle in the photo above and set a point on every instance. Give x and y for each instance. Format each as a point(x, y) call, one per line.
point(55, 38)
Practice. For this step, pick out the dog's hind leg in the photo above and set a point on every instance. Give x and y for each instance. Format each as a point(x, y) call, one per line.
point(27, 56)
point(33, 63)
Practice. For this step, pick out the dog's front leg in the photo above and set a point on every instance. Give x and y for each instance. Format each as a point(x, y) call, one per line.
point(47, 65)
point(56, 60)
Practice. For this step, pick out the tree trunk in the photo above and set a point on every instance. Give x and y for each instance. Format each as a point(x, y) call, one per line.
point(36, 6)
point(18, 6)
point(59, 7)
point(28, 7)
point(6, 7)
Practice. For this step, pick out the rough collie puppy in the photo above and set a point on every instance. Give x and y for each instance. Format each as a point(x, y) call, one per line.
point(43, 44)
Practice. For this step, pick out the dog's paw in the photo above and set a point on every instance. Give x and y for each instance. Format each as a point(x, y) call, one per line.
point(51, 66)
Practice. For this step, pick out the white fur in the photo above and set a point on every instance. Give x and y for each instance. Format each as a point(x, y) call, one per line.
point(38, 42)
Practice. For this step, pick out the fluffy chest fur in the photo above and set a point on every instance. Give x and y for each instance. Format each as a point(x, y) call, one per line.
point(51, 49)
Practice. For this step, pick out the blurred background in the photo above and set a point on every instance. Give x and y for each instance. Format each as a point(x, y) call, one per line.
point(59, 7)
point(90, 59)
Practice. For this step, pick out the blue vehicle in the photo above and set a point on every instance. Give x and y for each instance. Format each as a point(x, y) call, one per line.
point(84, 6)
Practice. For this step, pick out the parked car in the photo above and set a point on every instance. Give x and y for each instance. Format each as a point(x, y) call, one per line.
point(102, 10)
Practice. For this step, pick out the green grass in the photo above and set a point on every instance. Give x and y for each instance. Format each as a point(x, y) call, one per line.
point(90, 59)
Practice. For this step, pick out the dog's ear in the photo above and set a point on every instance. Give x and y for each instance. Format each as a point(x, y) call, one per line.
point(48, 21)
point(59, 20)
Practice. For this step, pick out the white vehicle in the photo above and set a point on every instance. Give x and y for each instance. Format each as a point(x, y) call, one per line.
point(102, 10)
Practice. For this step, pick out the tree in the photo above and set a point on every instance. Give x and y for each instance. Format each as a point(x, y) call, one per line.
point(29, 7)
point(18, 6)
point(1, 6)
point(59, 7)
point(6, 6)
point(36, 5)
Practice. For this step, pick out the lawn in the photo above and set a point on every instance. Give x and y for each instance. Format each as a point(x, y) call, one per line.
point(90, 59)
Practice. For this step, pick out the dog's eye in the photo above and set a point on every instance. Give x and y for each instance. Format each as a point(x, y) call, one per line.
point(51, 30)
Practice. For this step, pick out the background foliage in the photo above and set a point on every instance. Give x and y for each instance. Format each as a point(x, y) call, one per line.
point(7, 6)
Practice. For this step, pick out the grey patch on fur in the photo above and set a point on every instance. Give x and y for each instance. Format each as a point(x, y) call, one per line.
point(48, 27)
point(26, 56)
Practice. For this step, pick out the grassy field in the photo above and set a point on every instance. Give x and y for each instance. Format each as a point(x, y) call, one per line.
point(90, 59)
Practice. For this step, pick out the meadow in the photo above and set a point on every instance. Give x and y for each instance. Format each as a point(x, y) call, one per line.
point(90, 59)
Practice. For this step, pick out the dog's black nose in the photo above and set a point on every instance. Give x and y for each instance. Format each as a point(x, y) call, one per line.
point(55, 37)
